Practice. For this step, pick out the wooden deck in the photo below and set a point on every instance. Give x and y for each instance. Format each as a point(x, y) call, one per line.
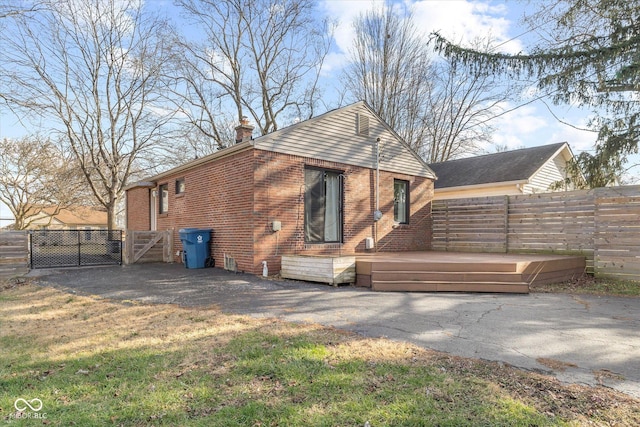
point(463, 272)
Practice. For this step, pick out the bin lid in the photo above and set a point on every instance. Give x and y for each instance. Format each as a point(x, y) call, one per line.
point(194, 230)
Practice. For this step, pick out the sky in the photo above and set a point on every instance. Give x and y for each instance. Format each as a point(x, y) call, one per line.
point(459, 20)
point(528, 125)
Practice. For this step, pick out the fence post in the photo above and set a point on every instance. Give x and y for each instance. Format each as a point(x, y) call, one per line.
point(168, 246)
point(128, 243)
point(121, 247)
point(30, 250)
point(79, 248)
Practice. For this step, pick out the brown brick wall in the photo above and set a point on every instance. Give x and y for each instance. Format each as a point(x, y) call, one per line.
point(279, 182)
point(138, 209)
point(416, 235)
point(220, 195)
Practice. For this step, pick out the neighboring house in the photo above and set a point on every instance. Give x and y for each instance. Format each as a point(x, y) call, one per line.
point(524, 171)
point(308, 189)
point(71, 218)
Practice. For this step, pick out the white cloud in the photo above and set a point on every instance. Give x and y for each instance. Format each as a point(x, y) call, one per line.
point(533, 125)
point(518, 128)
point(579, 140)
point(343, 13)
point(464, 21)
point(459, 20)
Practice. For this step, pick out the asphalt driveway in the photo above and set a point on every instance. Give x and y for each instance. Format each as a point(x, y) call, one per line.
point(587, 338)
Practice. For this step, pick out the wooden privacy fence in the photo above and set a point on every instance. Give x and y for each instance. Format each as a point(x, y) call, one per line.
point(148, 246)
point(14, 253)
point(602, 224)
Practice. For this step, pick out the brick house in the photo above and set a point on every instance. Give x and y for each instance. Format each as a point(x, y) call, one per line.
point(308, 189)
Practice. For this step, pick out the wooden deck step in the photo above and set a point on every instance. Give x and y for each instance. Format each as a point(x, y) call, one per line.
point(367, 266)
point(464, 272)
point(446, 276)
point(557, 276)
point(408, 286)
point(549, 265)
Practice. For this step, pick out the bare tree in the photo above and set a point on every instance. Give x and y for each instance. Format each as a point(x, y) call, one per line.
point(439, 110)
point(193, 143)
point(12, 9)
point(259, 58)
point(34, 176)
point(390, 69)
point(460, 107)
point(91, 71)
point(207, 126)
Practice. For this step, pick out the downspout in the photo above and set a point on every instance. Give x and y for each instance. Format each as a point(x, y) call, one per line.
point(377, 214)
point(377, 178)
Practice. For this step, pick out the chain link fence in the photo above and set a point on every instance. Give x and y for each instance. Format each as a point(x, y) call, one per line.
point(71, 248)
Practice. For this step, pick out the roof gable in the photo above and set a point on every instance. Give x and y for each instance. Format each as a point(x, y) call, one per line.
point(509, 166)
point(333, 136)
point(341, 136)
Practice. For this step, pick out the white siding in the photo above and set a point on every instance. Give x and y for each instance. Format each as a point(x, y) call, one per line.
point(333, 137)
point(551, 172)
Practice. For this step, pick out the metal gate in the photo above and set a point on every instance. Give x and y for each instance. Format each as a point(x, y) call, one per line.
point(74, 248)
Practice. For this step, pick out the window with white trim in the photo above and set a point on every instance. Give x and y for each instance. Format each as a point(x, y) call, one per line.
point(322, 206)
point(401, 201)
point(180, 186)
point(163, 198)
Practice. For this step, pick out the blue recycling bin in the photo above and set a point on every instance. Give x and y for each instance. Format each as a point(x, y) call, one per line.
point(195, 242)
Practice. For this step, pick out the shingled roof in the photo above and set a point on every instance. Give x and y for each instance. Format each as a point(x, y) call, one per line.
point(508, 166)
point(72, 215)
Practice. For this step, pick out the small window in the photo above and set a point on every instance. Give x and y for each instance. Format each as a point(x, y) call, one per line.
point(401, 201)
point(180, 186)
point(163, 198)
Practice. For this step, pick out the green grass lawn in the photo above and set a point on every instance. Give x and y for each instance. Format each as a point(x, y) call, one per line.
point(97, 362)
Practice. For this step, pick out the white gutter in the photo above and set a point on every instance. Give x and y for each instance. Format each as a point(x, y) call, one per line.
point(479, 186)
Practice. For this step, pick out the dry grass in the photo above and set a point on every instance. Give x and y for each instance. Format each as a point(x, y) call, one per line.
point(589, 285)
point(203, 367)
point(556, 365)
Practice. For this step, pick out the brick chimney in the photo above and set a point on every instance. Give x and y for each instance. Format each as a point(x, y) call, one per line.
point(244, 130)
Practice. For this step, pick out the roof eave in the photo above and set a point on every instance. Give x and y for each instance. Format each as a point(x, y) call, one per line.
point(152, 181)
point(140, 184)
point(559, 151)
point(482, 186)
